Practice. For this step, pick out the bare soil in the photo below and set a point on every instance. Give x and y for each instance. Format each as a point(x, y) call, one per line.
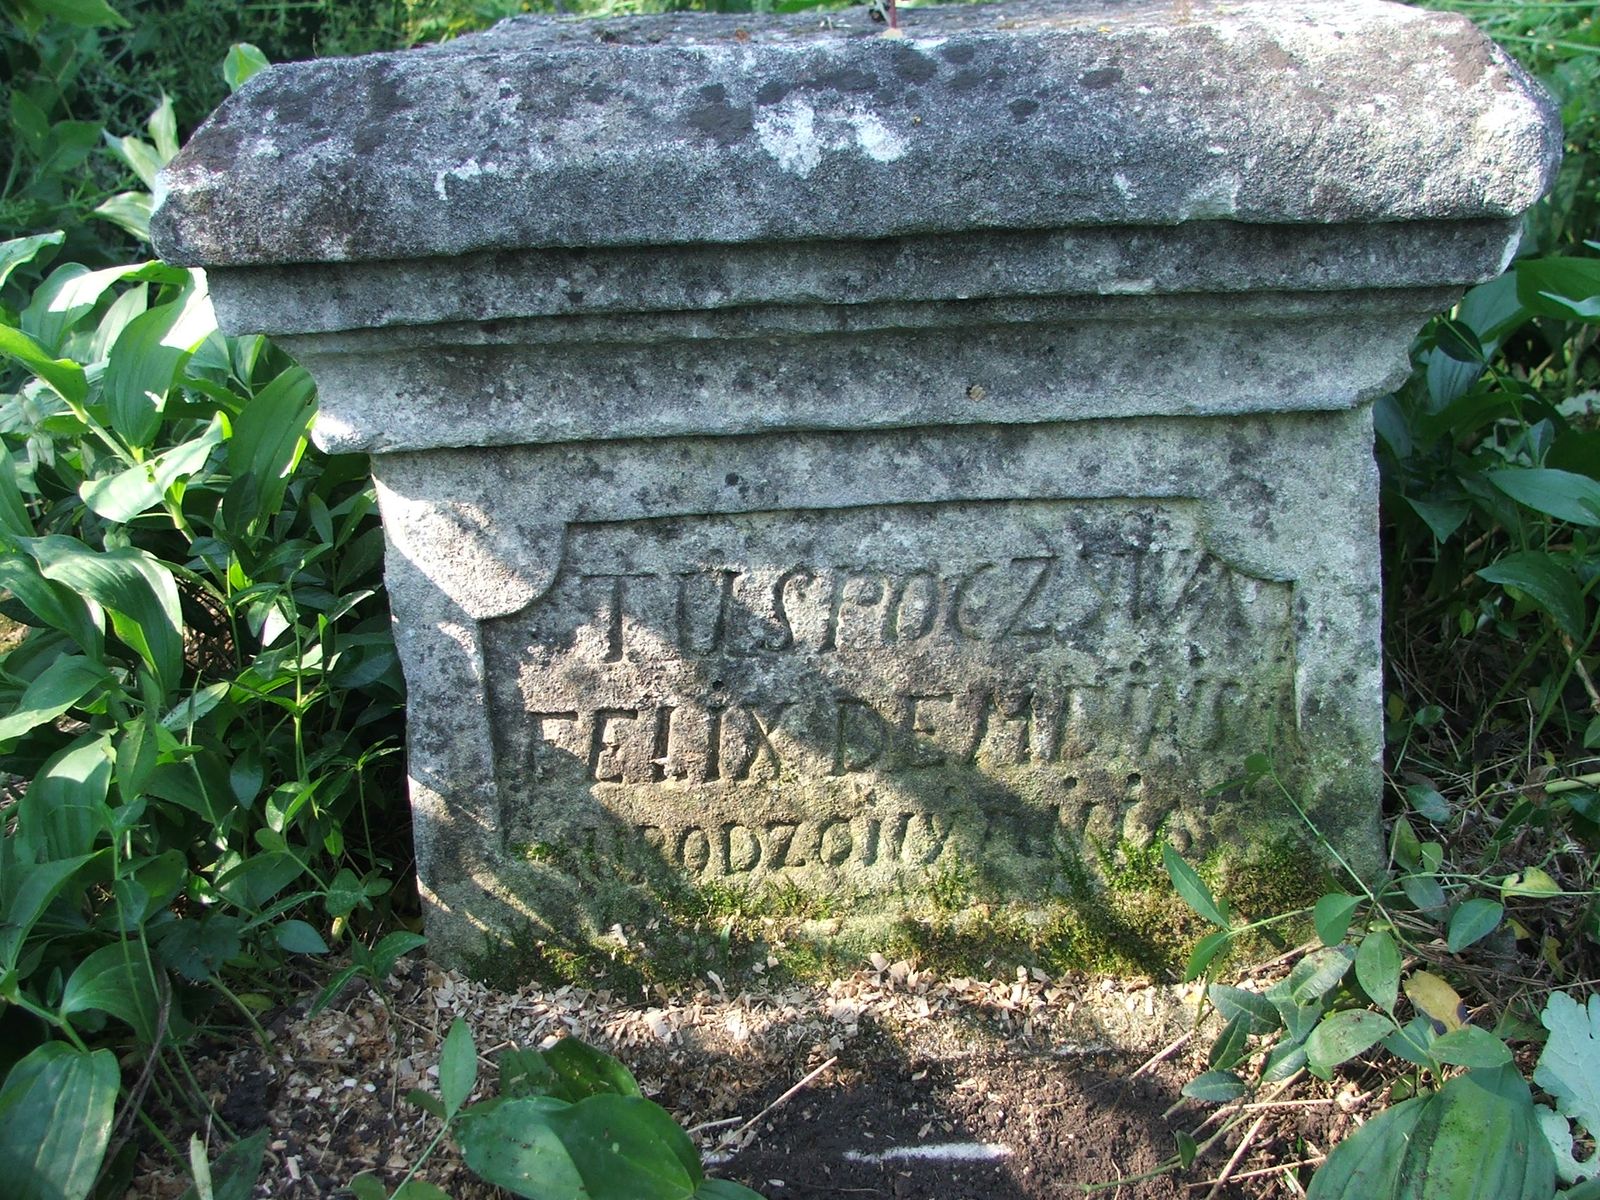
point(890, 1083)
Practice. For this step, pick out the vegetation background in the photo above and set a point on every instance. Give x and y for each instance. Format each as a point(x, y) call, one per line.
point(199, 700)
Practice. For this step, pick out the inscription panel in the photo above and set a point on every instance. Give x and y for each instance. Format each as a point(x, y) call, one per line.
point(864, 695)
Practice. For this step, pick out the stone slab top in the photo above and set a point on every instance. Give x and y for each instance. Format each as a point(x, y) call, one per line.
point(1028, 114)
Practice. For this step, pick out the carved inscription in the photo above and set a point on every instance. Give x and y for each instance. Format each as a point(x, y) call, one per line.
point(871, 692)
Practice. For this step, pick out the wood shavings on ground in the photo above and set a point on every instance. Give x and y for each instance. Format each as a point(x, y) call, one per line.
point(892, 1081)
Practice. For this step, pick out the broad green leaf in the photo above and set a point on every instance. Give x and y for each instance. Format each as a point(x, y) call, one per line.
point(1436, 999)
point(297, 937)
point(52, 604)
point(458, 1067)
point(1231, 1045)
point(243, 60)
point(420, 1189)
point(368, 1187)
point(268, 440)
point(1547, 581)
point(122, 496)
point(1472, 922)
point(128, 210)
point(1478, 1139)
point(1378, 969)
point(84, 12)
point(196, 947)
point(14, 519)
point(1568, 288)
point(17, 251)
point(63, 376)
point(1412, 1042)
point(1192, 888)
point(64, 299)
point(1260, 1014)
point(1470, 1046)
point(59, 686)
point(392, 948)
point(1331, 916)
point(513, 1146)
point(147, 358)
point(1286, 1058)
point(136, 590)
point(1204, 951)
point(1425, 892)
point(723, 1189)
point(585, 1071)
point(1426, 801)
point(56, 1110)
point(627, 1147)
point(1367, 1164)
point(26, 890)
point(1215, 1087)
point(64, 808)
point(345, 894)
point(1569, 1066)
point(162, 125)
point(1318, 973)
point(120, 980)
point(1565, 495)
point(1342, 1036)
point(1442, 517)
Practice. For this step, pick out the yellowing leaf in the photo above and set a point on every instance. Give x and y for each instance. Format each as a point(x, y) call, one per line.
point(1436, 999)
point(1532, 882)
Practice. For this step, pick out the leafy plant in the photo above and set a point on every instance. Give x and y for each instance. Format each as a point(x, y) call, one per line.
point(569, 1123)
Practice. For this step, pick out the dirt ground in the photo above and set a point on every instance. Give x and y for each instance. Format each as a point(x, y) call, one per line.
point(890, 1083)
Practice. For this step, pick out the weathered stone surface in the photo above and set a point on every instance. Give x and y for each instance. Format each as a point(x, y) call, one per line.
point(822, 465)
point(1031, 115)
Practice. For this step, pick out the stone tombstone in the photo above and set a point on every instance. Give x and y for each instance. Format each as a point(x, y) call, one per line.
point(820, 463)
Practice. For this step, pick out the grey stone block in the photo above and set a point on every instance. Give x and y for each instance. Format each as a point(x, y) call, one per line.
point(817, 463)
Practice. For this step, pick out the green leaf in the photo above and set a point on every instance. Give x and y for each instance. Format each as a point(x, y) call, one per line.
point(627, 1148)
point(268, 440)
point(136, 489)
point(136, 590)
point(1472, 922)
point(297, 937)
point(243, 61)
point(1412, 1042)
point(723, 1189)
point(1569, 1065)
point(1191, 887)
point(1367, 1164)
point(146, 360)
point(1443, 517)
point(392, 949)
point(1342, 1036)
point(1318, 973)
point(17, 251)
point(85, 12)
point(234, 1174)
point(1231, 1045)
point(1426, 801)
point(1214, 1087)
point(26, 890)
point(368, 1187)
point(1188, 1148)
point(56, 1110)
point(65, 298)
point(1204, 951)
point(118, 979)
point(585, 1071)
point(1424, 891)
point(1378, 969)
point(513, 1146)
point(64, 377)
point(1286, 1058)
point(458, 1067)
point(64, 808)
point(1331, 916)
point(67, 680)
point(1547, 581)
point(1470, 1046)
point(1568, 288)
point(1534, 882)
point(1259, 1012)
point(345, 894)
point(1564, 495)
point(420, 1189)
point(128, 210)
